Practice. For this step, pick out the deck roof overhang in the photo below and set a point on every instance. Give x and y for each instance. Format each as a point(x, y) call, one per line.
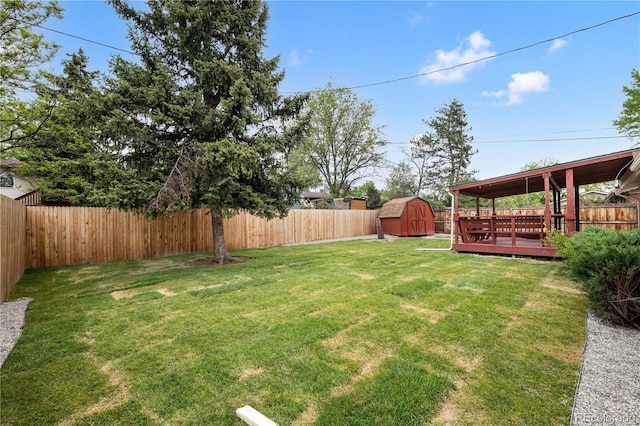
point(604, 168)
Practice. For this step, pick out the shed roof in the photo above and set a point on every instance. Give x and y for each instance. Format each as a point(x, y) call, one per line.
point(395, 207)
point(590, 170)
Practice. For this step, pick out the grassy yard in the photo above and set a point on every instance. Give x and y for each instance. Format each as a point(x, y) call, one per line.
point(361, 332)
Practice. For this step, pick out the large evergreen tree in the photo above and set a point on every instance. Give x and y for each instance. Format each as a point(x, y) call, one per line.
point(200, 111)
point(444, 151)
point(22, 52)
point(67, 156)
point(58, 152)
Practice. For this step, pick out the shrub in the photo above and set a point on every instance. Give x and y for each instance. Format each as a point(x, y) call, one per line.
point(608, 264)
point(560, 240)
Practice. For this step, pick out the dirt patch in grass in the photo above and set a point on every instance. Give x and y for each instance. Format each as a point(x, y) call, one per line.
point(456, 357)
point(89, 269)
point(308, 416)
point(537, 304)
point(366, 276)
point(125, 294)
point(208, 261)
point(153, 265)
point(474, 290)
point(508, 326)
point(433, 316)
point(407, 279)
point(250, 372)
point(550, 283)
point(342, 337)
point(449, 413)
point(562, 288)
point(367, 370)
point(120, 396)
point(165, 292)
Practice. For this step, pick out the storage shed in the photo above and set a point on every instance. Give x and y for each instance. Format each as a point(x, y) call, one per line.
point(408, 217)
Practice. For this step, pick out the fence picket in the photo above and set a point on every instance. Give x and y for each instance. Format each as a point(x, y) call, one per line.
point(57, 236)
point(612, 216)
point(37, 236)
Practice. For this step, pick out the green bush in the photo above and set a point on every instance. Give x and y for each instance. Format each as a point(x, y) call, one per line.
point(560, 240)
point(608, 264)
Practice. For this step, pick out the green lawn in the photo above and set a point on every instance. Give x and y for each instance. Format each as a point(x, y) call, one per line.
point(361, 332)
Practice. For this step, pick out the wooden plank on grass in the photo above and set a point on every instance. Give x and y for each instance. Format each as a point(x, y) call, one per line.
point(253, 417)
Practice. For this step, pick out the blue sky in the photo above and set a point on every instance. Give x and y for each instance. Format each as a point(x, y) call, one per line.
point(522, 106)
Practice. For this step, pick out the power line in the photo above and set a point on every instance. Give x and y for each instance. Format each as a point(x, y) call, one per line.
point(395, 80)
point(546, 133)
point(534, 140)
point(87, 40)
point(556, 139)
point(517, 49)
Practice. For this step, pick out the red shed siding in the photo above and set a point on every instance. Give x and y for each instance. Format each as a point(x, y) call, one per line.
point(408, 217)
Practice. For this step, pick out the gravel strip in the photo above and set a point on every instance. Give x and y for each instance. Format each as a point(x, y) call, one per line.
point(11, 325)
point(608, 391)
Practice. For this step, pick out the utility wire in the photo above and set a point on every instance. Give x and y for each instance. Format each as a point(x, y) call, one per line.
point(557, 139)
point(534, 140)
point(395, 80)
point(546, 133)
point(87, 40)
point(517, 49)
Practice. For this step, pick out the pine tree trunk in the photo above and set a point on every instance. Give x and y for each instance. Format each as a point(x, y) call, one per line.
point(220, 254)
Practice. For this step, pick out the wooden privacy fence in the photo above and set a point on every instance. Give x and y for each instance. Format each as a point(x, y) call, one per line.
point(57, 236)
point(620, 217)
point(12, 244)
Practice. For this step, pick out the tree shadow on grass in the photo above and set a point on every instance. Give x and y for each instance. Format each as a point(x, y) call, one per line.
point(208, 261)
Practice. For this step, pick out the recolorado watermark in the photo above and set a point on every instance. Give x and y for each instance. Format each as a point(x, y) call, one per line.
point(606, 419)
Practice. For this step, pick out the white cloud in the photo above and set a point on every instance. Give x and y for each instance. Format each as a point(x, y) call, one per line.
point(417, 19)
point(520, 85)
point(295, 60)
point(498, 94)
point(557, 44)
point(474, 47)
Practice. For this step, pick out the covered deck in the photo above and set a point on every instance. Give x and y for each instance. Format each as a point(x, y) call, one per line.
point(524, 234)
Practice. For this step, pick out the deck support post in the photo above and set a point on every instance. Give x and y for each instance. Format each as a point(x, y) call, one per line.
point(456, 215)
point(547, 201)
point(570, 214)
point(577, 192)
point(557, 209)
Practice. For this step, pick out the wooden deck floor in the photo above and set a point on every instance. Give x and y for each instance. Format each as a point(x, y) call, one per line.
point(523, 247)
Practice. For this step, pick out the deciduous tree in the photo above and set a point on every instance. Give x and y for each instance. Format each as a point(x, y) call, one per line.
point(629, 120)
point(369, 190)
point(532, 199)
point(343, 143)
point(401, 182)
